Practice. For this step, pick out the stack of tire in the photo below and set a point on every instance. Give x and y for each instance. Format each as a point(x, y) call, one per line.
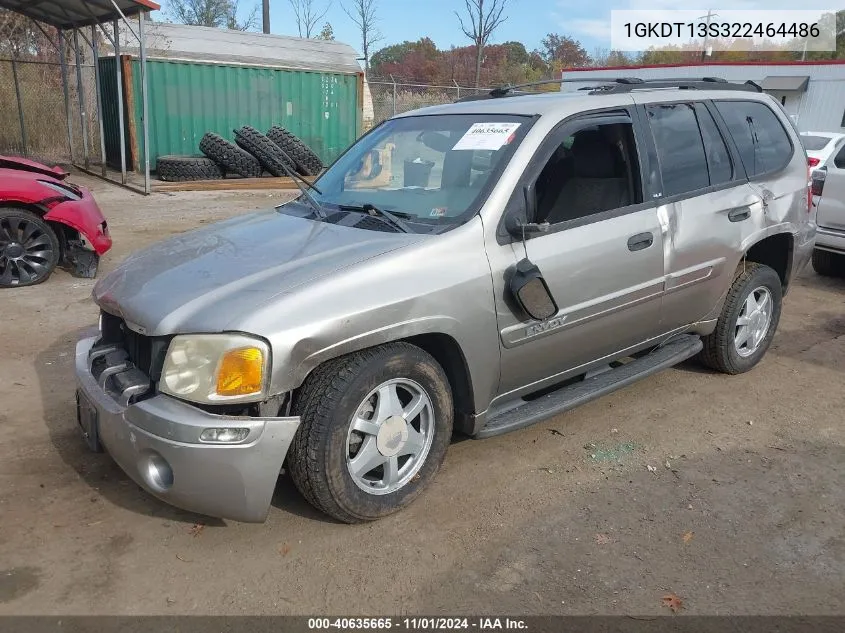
point(252, 155)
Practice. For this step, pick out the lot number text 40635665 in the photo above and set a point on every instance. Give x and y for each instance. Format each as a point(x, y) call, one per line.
point(418, 624)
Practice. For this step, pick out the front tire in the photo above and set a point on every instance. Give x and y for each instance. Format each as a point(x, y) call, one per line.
point(29, 248)
point(375, 428)
point(748, 321)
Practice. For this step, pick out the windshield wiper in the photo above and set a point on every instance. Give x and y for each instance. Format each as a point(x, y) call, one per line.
point(370, 209)
point(298, 180)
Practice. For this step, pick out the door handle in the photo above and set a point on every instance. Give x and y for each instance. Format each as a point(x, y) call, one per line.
point(640, 241)
point(739, 214)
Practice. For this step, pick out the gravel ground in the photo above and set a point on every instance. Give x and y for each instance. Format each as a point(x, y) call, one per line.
point(728, 492)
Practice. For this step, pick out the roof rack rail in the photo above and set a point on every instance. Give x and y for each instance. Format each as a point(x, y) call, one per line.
point(680, 83)
point(615, 85)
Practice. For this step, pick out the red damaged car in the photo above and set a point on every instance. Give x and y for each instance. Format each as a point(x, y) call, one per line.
point(45, 222)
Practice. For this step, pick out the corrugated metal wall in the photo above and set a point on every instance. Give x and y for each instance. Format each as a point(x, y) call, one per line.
point(820, 109)
point(187, 99)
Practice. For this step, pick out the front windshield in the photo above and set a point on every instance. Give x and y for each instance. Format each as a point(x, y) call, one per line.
point(431, 170)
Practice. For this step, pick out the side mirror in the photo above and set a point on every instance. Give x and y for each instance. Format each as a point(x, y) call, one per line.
point(531, 292)
point(517, 225)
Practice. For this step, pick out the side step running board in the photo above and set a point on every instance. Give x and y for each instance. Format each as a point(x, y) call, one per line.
point(566, 398)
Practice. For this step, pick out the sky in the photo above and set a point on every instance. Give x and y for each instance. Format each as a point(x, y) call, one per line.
point(528, 20)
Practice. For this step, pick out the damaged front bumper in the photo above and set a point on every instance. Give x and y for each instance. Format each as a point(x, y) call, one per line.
point(83, 216)
point(156, 441)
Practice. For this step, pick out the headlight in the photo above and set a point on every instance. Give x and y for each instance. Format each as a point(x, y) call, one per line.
point(62, 189)
point(216, 368)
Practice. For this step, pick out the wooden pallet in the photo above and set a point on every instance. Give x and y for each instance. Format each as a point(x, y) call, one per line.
point(228, 184)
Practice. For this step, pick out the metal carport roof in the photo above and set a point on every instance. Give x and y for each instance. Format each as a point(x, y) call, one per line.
point(69, 14)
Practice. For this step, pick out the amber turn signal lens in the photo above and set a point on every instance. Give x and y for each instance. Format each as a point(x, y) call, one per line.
point(241, 372)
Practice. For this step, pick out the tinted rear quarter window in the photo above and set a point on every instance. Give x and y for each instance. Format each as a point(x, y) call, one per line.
point(680, 150)
point(763, 143)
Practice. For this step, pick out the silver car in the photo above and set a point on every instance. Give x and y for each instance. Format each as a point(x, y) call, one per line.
point(474, 268)
point(821, 146)
point(828, 187)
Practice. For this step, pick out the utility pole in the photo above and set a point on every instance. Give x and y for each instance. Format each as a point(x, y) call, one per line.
point(707, 17)
point(265, 14)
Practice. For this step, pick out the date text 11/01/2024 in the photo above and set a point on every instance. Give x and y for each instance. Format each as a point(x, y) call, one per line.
point(417, 624)
point(723, 30)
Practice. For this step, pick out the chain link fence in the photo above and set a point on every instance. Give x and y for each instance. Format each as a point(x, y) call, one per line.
point(33, 118)
point(390, 97)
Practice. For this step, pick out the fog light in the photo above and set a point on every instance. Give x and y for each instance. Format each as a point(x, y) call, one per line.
point(224, 436)
point(156, 472)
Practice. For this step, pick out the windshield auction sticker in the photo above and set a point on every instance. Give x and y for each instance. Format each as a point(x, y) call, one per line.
point(490, 136)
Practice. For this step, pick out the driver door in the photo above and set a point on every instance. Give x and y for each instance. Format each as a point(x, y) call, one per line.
point(602, 257)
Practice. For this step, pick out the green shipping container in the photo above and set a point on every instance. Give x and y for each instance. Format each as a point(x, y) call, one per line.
point(187, 98)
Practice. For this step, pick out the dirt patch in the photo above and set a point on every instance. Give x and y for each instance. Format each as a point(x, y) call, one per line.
point(18, 582)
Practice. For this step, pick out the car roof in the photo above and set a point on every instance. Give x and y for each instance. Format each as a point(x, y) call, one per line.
point(566, 103)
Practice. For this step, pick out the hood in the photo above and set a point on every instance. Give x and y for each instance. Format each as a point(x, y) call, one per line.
point(24, 164)
point(202, 281)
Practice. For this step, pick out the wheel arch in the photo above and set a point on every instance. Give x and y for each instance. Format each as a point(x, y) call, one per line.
point(449, 355)
point(63, 231)
point(25, 205)
point(443, 347)
point(775, 251)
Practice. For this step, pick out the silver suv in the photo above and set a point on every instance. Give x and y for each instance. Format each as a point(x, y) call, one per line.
point(828, 185)
point(474, 267)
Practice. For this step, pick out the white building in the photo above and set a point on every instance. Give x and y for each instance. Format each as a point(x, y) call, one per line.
point(813, 93)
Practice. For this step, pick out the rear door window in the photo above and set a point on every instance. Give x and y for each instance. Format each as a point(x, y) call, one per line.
point(763, 143)
point(718, 158)
point(680, 150)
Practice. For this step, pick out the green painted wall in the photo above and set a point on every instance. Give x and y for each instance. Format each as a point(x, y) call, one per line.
point(188, 99)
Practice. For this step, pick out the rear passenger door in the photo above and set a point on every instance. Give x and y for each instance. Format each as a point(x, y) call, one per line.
point(766, 151)
point(704, 199)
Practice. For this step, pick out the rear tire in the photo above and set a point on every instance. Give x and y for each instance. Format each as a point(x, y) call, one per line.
point(187, 168)
point(726, 350)
point(29, 248)
point(828, 264)
point(346, 394)
point(229, 156)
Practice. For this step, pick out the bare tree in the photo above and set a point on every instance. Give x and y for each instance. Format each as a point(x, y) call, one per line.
point(327, 33)
point(363, 15)
point(218, 13)
point(308, 15)
point(482, 22)
point(250, 23)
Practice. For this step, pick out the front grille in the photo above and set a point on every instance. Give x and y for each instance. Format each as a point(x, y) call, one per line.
point(139, 348)
point(145, 352)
